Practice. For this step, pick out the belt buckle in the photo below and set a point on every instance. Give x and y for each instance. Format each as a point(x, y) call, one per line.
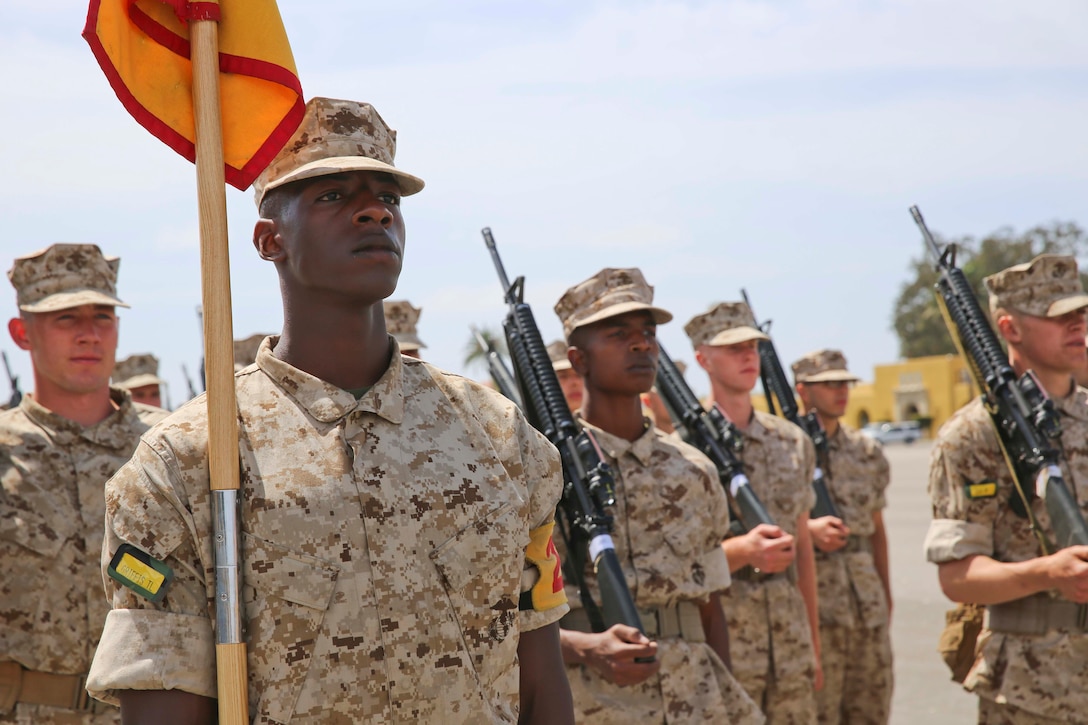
point(651, 622)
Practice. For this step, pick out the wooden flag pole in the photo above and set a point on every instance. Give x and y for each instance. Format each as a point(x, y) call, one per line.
point(223, 467)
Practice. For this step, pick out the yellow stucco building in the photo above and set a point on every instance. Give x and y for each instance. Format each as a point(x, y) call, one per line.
point(927, 389)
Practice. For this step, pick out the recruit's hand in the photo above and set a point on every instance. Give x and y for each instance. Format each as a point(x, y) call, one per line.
point(828, 533)
point(612, 654)
point(770, 548)
point(1068, 572)
point(818, 677)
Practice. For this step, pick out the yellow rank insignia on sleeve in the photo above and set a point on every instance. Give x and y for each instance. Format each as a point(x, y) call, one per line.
point(140, 572)
point(548, 591)
point(982, 489)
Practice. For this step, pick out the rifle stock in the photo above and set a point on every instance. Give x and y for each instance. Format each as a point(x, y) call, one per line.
point(715, 436)
point(776, 388)
point(581, 517)
point(1023, 416)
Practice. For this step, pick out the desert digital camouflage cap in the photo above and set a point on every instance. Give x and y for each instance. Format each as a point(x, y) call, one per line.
point(557, 351)
point(136, 371)
point(726, 323)
point(336, 136)
point(245, 350)
point(822, 366)
point(608, 293)
point(400, 322)
point(1047, 286)
point(64, 276)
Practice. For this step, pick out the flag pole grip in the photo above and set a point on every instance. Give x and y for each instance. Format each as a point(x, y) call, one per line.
point(219, 362)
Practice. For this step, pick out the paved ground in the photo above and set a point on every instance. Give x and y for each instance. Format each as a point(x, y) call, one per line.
point(923, 691)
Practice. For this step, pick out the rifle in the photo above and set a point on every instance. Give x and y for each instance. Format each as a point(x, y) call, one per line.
point(13, 380)
point(500, 373)
point(588, 483)
point(777, 390)
point(200, 321)
point(188, 381)
point(713, 434)
point(1023, 416)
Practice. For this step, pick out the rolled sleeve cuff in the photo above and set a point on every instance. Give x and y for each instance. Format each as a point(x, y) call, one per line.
point(952, 539)
point(716, 567)
point(146, 649)
point(530, 619)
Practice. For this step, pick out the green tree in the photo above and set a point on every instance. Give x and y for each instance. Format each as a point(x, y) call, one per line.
point(476, 353)
point(917, 319)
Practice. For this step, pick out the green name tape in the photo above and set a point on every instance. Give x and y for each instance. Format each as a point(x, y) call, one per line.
point(141, 573)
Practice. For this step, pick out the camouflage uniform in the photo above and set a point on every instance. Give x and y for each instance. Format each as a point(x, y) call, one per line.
point(52, 474)
point(769, 635)
point(51, 512)
point(855, 643)
point(1041, 673)
point(670, 517)
point(384, 549)
point(1033, 672)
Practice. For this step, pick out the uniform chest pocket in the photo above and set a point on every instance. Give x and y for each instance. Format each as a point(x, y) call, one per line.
point(43, 532)
point(481, 569)
point(285, 596)
point(681, 539)
point(790, 492)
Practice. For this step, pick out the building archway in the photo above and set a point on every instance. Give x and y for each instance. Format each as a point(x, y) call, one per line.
point(863, 418)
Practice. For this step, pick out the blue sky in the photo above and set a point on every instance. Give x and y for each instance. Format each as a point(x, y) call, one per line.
point(774, 146)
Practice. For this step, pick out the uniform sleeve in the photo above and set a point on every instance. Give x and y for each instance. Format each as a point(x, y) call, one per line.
point(881, 476)
point(712, 560)
point(962, 526)
point(145, 645)
point(543, 598)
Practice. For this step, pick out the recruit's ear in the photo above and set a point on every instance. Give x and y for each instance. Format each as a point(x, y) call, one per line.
point(700, 357)
point(17, 330)
point(267, 240)
point(1008, 326)
point(802, 393)
point(577, 359)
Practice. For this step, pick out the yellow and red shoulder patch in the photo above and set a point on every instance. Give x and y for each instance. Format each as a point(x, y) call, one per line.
point(548, 592)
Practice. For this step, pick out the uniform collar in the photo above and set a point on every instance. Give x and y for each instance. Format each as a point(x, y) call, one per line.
point(328, 403)
point(1074, 405)
point(838, 438)
point(641, 448)
point(757, 431)
point(114, 431)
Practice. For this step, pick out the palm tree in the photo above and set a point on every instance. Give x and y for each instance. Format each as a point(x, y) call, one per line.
point(477, 347)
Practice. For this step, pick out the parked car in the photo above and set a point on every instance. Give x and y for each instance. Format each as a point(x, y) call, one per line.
point(905, 432)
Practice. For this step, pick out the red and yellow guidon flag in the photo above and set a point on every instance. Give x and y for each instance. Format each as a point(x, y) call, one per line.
point(143, 47)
